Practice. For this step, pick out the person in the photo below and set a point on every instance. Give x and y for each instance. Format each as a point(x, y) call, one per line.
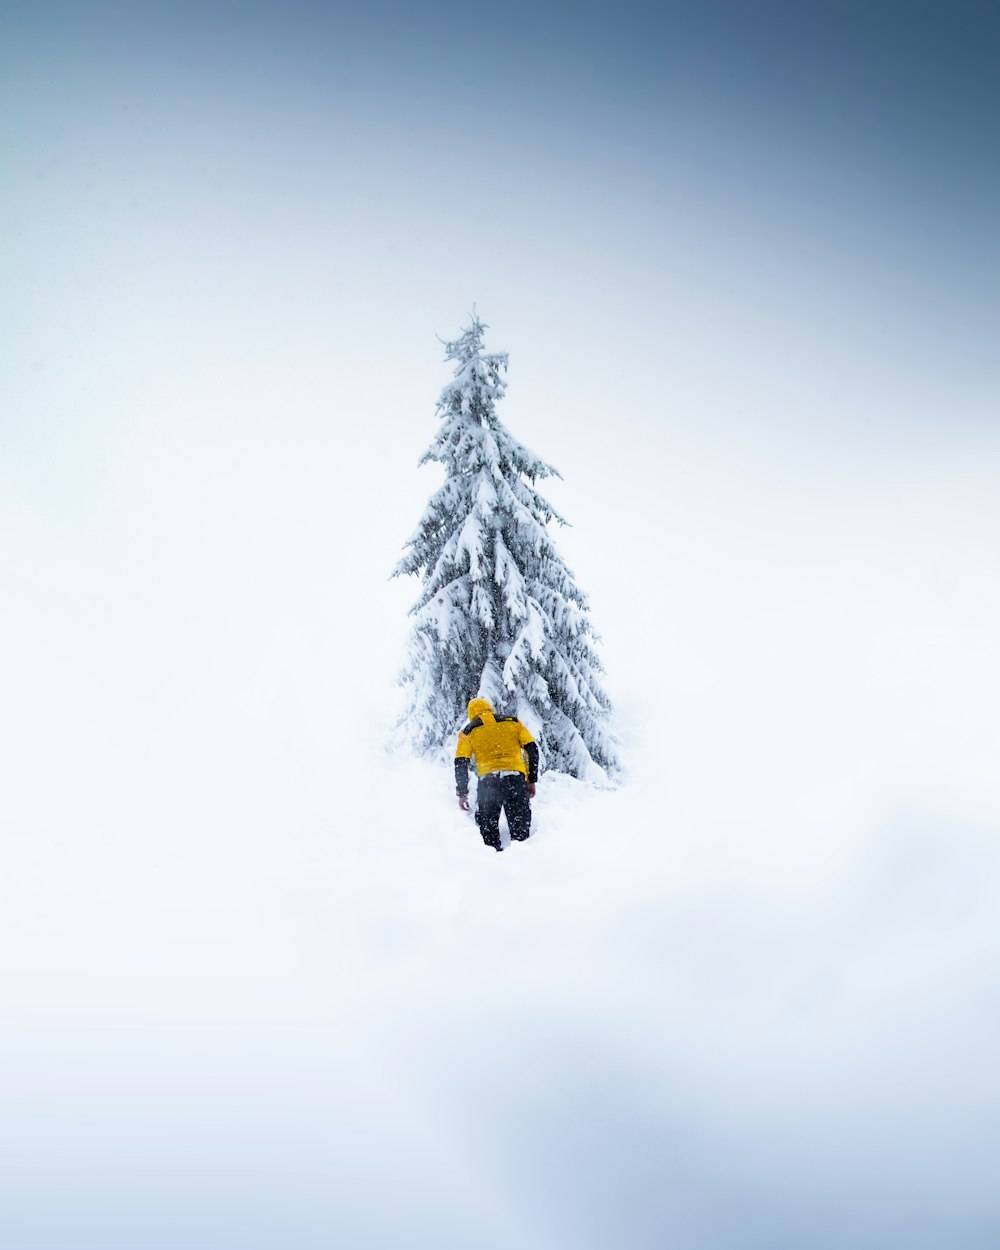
point(506, 758)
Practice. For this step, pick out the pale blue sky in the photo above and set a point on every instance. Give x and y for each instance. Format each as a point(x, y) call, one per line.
point(804, 200)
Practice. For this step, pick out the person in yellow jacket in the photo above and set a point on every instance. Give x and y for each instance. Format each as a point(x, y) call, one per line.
point(506, 758)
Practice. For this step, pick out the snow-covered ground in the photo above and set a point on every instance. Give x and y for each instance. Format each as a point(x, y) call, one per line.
point(263, 985)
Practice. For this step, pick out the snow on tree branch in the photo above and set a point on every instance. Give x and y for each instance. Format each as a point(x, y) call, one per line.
point(499, 613)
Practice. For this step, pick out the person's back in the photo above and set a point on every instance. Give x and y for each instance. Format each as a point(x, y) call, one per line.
point(495, 742)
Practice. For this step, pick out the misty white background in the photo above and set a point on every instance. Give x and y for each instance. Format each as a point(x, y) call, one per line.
point(262, 984)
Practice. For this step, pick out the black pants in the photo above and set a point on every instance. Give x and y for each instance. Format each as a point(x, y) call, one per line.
point(508, 794)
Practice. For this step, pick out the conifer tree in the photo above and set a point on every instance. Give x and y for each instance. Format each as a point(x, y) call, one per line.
point(499, 615)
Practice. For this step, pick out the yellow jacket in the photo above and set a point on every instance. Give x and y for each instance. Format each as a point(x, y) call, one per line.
point(496, 744)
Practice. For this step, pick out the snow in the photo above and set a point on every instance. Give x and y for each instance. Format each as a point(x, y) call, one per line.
point(366, 1026)
point(263, 984)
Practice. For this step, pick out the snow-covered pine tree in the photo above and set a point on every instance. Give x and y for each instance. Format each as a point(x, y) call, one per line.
point(499, 615)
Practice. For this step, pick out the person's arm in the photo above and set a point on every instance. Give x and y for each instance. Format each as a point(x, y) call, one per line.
point(530, 748)
point(462, 753)
point(531, 751)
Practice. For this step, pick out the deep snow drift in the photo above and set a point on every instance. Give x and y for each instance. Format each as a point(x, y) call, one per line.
point(359, 1026)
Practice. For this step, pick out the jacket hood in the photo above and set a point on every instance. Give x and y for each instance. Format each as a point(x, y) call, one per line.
point(480, 707)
